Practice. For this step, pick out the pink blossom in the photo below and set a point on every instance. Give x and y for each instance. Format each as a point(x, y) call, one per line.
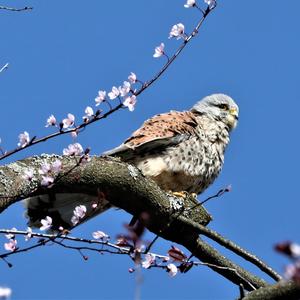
point(46, 223)
point(159, 50)
point(132, 78)
point(211, 3)
point(295, 250)
point(149, 261)
point(114, 93)
point(190, 3)
point(125, 89)
point(45, 168)
point(46, 181)
point(69, 121)
point(73, 149)
point(172, 270)
point(292, 272)
point(11, 235)
point(100, 235)
point(78, 213)
point(100, 98)
point(94, 205)
point(11, 245)
point(130, 102)
point(177, 31)
point(56, 166)
point(23, 139)
point(74, 134)
point(5, 292)
point(28, 174)
point(51, 121)
point(88, 113)
point(29, 234)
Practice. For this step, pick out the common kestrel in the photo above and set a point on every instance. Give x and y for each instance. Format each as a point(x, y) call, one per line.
point(183, 151)
point(180, 151)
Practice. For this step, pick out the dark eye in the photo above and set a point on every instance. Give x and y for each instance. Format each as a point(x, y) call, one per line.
point(223, 106)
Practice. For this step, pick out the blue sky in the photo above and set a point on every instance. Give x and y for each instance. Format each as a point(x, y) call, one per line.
point(63, 52)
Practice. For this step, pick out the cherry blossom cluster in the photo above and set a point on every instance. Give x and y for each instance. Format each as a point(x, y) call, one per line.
point(175, 255)
point(125, 93)
point(175, 261)
point(178, 30)
point(47, 171)
point(292, 251)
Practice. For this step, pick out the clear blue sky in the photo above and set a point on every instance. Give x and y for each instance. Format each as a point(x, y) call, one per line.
point(63, 52)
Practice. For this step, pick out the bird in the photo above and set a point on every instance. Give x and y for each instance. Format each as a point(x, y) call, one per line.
point(182, 151)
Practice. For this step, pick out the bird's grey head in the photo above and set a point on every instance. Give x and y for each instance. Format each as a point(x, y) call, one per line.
point(220, 107)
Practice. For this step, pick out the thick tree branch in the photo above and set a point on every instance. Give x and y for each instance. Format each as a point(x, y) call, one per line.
point(125, 187)
point(284, 290)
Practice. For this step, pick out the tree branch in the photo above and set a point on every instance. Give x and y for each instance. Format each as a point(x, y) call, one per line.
point(139, 195)
point(281, 291)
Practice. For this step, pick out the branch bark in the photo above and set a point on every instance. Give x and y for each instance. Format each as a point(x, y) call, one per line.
point(125, 187)
point(281, 291)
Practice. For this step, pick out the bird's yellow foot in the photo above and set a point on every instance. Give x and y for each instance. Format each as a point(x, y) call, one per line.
point(182, 194)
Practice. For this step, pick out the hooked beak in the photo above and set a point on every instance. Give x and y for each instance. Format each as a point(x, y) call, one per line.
point(234, 113)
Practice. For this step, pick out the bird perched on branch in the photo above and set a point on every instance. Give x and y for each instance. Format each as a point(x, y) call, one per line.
point(180, 151)
point(183, 151)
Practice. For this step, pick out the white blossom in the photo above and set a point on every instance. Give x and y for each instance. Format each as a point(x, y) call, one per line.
point(211, 3)
point(56, 166)
point(172, 270)
point(177, 31)
point(78, 213)
point(47, 180)
point(115, 92)
point(190, 3)
point(23, 139)
point(125, 89)
point(69, 121)
point(88, 112)
point(51, 121)
point(148, 261)
point(29, 234)
point(132, 78)
point(46, 223)
point(28, 174)
point(11, 245)
point(45, 168)
point(100, 235)
point(100, 98)
point(11, 235)
point(5, 292)
point(159, 50)
point(73, 149)
point(130, 102)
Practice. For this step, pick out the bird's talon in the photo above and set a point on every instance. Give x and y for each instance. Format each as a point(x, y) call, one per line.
point(182, 194)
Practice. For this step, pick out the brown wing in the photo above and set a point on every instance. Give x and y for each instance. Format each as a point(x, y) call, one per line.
point(157, 133)
point(163, 127)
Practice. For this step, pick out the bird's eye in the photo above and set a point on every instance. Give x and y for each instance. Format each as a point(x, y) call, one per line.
point(223, 106)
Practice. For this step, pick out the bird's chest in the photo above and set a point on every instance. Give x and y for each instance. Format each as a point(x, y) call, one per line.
point(194, 164)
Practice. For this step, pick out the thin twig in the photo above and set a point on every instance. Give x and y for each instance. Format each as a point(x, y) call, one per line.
point(15, 9)
point(119, 106)
point(4, 67)
point(234, 248)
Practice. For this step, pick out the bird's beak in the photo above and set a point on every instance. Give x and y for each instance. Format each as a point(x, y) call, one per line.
point(234, 113)
point(232, 118)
